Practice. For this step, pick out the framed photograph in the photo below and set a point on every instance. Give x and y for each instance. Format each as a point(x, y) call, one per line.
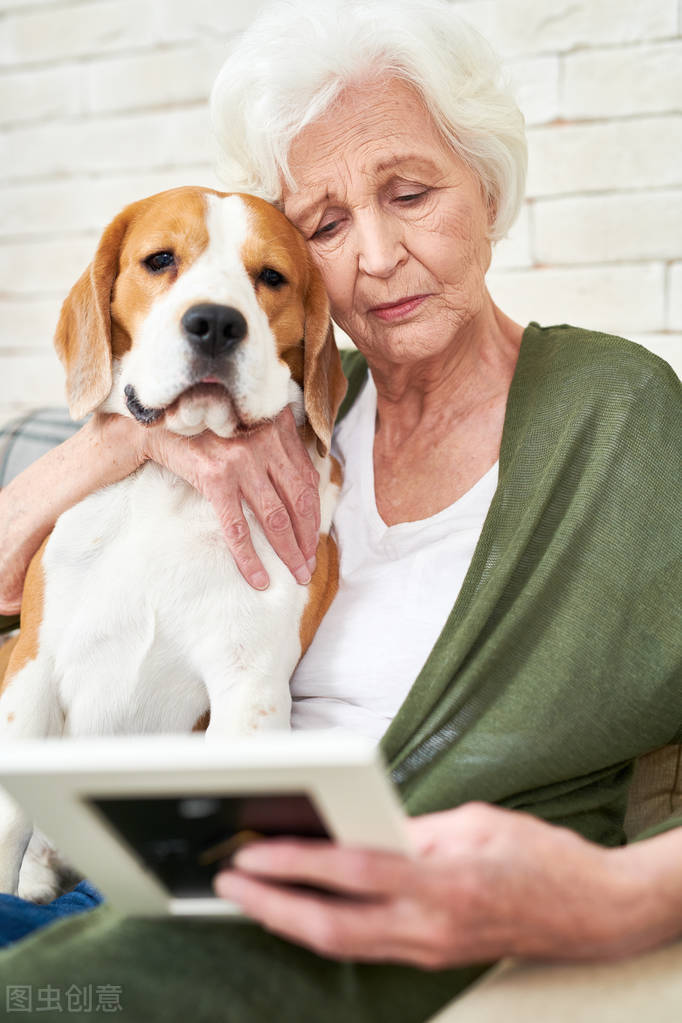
point(150, 819)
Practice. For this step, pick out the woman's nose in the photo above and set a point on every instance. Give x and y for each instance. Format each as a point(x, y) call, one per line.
point(379, 244)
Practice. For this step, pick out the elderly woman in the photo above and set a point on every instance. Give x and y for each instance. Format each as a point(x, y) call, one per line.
point(506, 538)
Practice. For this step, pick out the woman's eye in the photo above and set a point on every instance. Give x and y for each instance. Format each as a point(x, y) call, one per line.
point(159, 261)
point(271, 277)
point(326, 229)
point(411, 196)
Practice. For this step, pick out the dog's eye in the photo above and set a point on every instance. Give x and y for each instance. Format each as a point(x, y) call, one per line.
point(159, 261)
point(273, 278)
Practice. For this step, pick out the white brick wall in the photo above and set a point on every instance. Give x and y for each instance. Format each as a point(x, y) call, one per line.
point(102, 101)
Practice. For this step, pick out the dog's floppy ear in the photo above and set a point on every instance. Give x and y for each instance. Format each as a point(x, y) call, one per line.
point(83, 336)
point(324, 384)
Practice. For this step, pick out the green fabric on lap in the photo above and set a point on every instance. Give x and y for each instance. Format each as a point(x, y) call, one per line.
point(209, 971)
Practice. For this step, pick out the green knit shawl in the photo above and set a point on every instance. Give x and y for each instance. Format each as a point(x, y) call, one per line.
point(561, 659)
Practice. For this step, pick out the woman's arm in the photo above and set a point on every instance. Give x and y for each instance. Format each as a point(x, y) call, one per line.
point(484, 883)
point(101, 452)
point(269, 468)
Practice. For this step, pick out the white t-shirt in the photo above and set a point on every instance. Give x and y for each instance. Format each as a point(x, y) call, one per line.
point(397, 586)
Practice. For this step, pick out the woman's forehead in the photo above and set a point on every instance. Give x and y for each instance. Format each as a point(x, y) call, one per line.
point(369, 131)
point(364, 116)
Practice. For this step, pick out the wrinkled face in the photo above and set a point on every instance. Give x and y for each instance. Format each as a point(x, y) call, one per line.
point(208, 313)
point(397, 224)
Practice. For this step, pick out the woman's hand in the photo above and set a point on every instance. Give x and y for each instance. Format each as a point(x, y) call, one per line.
point(484, 883)
point(270, 469)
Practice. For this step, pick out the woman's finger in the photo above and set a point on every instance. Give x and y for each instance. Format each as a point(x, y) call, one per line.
point(307, 492)
point(275, 520)
point(228, 507)
point(296, 481)
point(302, 502)
point(365, 872)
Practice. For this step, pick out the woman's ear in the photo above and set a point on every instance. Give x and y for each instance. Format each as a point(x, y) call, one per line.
point(83, 335)
point(324, 384)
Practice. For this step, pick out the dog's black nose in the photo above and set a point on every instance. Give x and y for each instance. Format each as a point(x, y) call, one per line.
point(213, 329)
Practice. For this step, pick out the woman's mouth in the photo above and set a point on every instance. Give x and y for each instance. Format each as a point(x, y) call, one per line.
point(391, 311)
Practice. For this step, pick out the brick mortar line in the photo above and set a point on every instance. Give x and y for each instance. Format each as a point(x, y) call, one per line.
point(13, 10)
point(102, 117)
point(97, 58)
point(605, 193)
point(580, 48)
point(540, 267)
point(30, 297)
point(97, 117)
point(668, 293)
point(599, 48)
point(562, 122)
point(112, 171)
point(530, 205)
point(127, 51)
point(31, 350)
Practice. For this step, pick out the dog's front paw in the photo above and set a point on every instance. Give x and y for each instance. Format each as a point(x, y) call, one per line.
point(44, 875)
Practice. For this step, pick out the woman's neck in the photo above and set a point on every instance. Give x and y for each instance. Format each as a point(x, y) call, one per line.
point(439, 427)
point(432, 396)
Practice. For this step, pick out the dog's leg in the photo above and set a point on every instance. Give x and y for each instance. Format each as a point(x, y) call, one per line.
point(247, 701)
point(15, 834)
point(27, 711)
point(246, 663)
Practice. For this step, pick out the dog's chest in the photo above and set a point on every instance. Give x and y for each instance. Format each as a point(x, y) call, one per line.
point(144, 606)
point(135, 538)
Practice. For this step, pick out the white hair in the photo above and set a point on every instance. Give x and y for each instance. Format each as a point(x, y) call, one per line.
point(298, 56)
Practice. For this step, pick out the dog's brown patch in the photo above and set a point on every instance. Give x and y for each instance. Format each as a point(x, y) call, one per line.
point(5, 654)
point(201, 724)
point(321, 590)
point(335, 474)
point(25, 648)
point(294, 360)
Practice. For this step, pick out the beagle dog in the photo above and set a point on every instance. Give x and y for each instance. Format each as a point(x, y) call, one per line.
point(202, 311)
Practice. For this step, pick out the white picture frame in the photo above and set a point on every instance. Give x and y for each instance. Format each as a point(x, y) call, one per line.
point(56, 781)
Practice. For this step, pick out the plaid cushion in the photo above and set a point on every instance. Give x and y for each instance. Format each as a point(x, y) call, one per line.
point(24, 440)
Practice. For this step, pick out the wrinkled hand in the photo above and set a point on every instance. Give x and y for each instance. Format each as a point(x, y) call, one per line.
point(483, 883)
point(268, 468)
